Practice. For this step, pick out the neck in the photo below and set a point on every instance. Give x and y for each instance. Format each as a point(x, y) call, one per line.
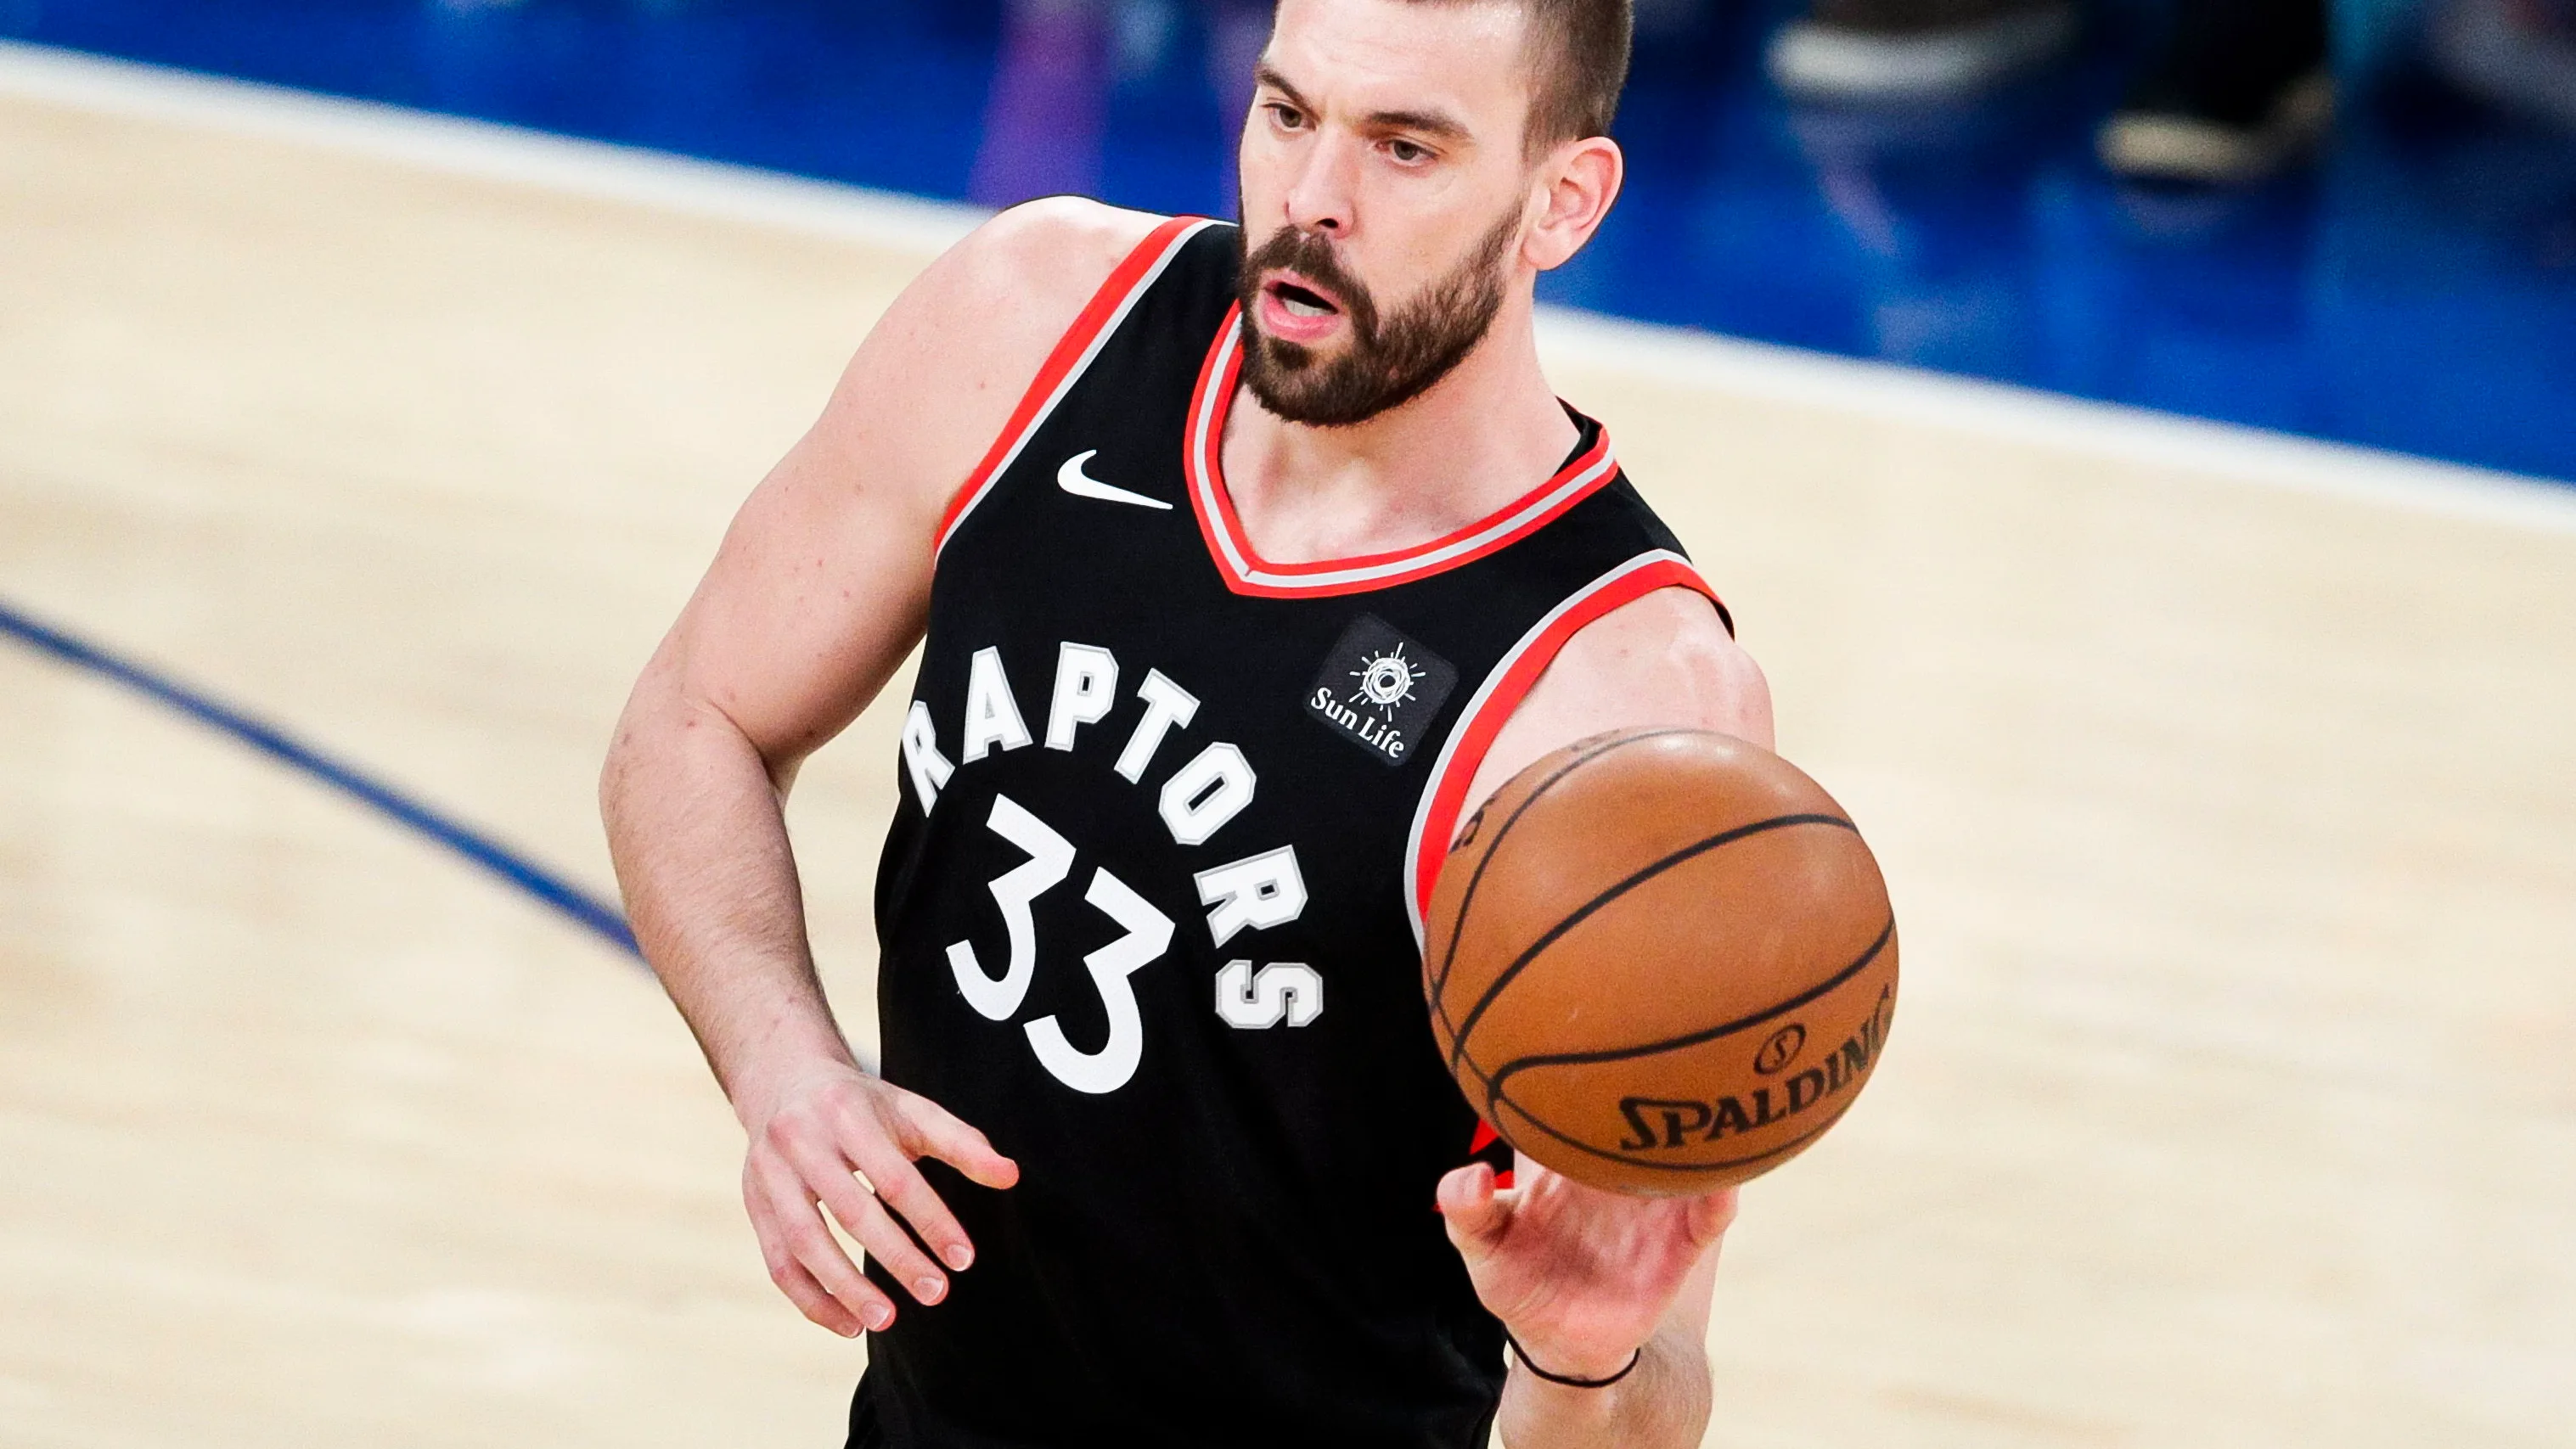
point(1482, 436)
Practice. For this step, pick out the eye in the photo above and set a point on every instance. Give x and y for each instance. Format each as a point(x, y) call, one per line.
point(1408, 153)
point(1285, 116)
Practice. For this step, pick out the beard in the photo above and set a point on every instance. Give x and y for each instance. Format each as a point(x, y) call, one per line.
point(1392, 359)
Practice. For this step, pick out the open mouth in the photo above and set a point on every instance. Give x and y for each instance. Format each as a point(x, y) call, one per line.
point(1301, 302)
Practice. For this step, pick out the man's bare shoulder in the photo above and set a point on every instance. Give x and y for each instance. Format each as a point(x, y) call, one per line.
point(1663, 659)
point(937, 377)
point(1052, 253)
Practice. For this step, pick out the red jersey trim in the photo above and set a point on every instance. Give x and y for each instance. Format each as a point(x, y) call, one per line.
point(1246, 572)
point(1065, 365)
point(1435, 821)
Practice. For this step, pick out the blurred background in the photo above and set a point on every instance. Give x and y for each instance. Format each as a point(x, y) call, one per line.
point(2134, 437)
point(1939, 183)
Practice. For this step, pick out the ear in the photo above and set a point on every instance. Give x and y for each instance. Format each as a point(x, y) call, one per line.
point(1573, 189)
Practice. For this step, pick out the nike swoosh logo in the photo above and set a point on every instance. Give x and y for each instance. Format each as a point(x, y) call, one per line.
point(1070, 478)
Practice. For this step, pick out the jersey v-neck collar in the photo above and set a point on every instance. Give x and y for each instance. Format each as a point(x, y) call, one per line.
point(1247, 572)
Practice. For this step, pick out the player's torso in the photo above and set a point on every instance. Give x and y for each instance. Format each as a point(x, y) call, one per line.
point(1144, 914)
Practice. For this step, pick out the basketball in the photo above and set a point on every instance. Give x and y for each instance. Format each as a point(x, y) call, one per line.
point(1660, 961)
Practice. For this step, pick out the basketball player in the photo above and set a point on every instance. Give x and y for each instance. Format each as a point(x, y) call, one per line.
point(1244, 565)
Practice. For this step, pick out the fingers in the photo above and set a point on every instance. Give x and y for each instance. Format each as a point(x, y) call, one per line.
point(825, 1174)
point(1475, 1213)
point(804, 1259)
point(809, 1297)
point(1711, 1216)
point(901, 1185)
point(884, 1150)
point(931, 1132)
point(816, 1151)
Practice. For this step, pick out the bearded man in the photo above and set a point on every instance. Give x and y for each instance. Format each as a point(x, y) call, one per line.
point(1244, 564)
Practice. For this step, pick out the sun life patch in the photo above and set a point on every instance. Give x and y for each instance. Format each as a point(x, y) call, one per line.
point(1380, 690)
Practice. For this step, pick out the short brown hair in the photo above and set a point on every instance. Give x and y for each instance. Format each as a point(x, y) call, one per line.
point(1579, 54)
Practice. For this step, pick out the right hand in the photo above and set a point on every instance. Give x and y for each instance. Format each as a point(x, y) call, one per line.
point(812, 1139)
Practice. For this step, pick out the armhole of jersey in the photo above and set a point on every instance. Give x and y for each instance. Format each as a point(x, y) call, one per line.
point(1435, 820)
point(1064, 366)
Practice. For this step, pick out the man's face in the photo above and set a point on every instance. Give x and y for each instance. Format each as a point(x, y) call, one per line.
point(1384, 189)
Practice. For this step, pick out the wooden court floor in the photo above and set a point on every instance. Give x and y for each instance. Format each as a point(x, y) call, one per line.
point(2232, 827)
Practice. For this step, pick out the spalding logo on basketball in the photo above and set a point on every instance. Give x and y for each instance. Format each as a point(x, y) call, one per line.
point(1781, 1049)
point(1661, 962)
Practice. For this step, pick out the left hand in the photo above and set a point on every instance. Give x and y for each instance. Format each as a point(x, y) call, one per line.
point(1580, 1276)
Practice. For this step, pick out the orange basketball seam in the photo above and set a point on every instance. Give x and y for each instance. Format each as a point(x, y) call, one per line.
point(1877, 948)
point(1504, 977)
point(1467, 897)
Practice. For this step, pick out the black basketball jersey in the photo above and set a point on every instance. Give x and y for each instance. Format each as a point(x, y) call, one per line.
point(1150, 913)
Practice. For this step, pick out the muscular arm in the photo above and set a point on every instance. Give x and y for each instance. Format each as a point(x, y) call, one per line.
point(1650, 1267)
point(818, 592)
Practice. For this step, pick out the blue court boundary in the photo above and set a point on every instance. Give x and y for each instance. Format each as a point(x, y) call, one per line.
point(580, 906)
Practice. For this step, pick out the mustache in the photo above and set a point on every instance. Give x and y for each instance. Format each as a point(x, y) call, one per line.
point(1310, 254)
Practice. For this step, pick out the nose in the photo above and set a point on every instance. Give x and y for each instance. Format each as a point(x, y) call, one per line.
point(1320, 192)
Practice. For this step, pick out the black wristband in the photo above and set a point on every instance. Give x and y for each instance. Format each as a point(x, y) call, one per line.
point(1569, 1380)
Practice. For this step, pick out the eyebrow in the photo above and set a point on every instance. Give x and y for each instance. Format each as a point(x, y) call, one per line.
point(1438, 124)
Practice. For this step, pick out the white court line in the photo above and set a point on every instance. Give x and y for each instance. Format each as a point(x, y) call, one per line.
point(1873, 390)
point(2223, 451)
